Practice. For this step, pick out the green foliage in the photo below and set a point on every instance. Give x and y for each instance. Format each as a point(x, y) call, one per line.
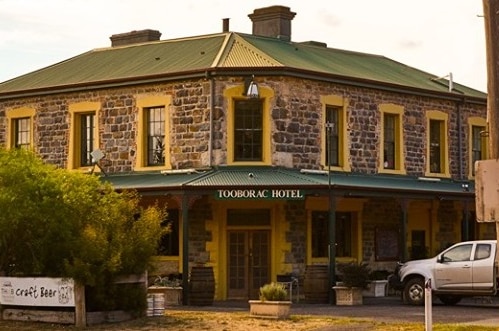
point(354, 275)
point(273, 292)
point(60, 223)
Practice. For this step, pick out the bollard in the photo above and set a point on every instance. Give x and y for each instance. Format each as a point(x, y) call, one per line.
point(428, 306)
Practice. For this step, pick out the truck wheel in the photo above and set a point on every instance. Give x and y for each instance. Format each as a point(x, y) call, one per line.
point(449, 300)
point(414, 292)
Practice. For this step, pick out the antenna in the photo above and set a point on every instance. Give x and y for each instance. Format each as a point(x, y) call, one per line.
point(451, 82)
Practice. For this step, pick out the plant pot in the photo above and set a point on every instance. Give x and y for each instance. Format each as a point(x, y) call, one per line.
point(269, 309)
point(348, 296)
point(172, 295)
point(376, 288)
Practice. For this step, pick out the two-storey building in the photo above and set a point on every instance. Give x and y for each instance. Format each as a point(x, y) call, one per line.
point(272, 155)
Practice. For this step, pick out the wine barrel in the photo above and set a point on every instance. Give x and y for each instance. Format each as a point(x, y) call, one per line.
point(316, 283)
point(201, 286)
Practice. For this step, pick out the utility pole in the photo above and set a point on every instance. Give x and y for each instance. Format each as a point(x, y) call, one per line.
point(491, 19)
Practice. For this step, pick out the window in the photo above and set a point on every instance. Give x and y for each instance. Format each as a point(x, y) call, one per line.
point(477, 142)
point(334, 134)
point(482, 251)
point(21, 128)
point(155, 136)
point(436, 146)
point(320, 234)
point(153, 145)
point(169, 244)
point(437, 151)
point(248, 127)
point(389, 141)
point(391, 156)
point(332, 139)
point(87, 138)
point(248, 130)
point(458, 253)
point(22, 132)
point(84, 138)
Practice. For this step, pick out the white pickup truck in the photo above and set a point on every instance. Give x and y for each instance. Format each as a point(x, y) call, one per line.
point(465, 269)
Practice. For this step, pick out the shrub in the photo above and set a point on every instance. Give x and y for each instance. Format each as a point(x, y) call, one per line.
point(273, 292)
point(354, 275)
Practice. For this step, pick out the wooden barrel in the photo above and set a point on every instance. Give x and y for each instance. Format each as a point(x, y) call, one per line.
point(316, 283)
point(201, 286)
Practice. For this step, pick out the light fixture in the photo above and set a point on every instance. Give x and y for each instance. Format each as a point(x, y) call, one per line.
point(252, 90)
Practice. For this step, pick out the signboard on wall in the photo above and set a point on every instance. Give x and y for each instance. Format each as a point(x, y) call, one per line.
point(487, 190)
point(31, 291)
point(265, 194)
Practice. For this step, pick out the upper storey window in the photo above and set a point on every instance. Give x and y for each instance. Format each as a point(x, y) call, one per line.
point(392, 139)
point(248, 127)
point(477, 142)
point(22, 132)
point(334, 133)
point(84, 137)
point(248, 130)
point(437, 142)
point(153, 146)
point(155, 118)
point(20, 126)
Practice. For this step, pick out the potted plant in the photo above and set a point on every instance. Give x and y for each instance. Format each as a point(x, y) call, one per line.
point(170, 286)
point(378, 281)
point(354, 279)
point(273, 302)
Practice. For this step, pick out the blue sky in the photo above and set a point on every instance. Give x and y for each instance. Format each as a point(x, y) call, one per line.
point(437, 36)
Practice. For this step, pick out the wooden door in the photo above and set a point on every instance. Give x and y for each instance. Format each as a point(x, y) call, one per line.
point(248, 263)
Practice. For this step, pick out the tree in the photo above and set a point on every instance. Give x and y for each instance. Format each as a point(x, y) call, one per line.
point(60, 223)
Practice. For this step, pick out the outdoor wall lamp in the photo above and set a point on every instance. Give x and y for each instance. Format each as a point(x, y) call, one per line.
point(251, 88)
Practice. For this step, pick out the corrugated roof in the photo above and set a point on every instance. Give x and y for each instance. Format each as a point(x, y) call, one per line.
point(276, 177)
point(178, 57)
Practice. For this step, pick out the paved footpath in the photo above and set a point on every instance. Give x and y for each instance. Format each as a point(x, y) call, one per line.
point(476, 311)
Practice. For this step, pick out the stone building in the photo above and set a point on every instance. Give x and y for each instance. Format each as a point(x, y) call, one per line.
point(265, 150)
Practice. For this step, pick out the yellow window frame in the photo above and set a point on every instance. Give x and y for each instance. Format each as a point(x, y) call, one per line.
point(18, 113)
point(236, 93)
point(75, 112)
point(476, 122)
point(399, 166)
point(341, 103)
point(143, 103)
point(443, 118)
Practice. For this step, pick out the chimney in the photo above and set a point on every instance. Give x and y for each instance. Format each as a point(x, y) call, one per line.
point(274, 21)
point(225, 25)
point(134, 37)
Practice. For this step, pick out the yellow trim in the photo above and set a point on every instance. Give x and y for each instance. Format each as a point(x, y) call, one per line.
point(399, 139)
point(480, 122)
point(144, 102)
point(75, 110)
point(342, 103)
point(444, 142)
point(350, 205)
point(236, 93)
point(17, 113)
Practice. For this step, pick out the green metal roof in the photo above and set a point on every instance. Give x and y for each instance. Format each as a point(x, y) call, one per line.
point(345, 184)
point(230, 51)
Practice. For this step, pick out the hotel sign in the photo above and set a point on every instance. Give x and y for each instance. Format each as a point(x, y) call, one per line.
point(251, 194)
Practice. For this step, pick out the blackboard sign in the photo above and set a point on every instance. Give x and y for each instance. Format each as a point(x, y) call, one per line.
point(386, 244)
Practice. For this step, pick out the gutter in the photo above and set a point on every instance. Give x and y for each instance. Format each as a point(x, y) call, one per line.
point(260, 71)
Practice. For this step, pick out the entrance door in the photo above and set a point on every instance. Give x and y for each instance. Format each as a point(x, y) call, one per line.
point(248, 263)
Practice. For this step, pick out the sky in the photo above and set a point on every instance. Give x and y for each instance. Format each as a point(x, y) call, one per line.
point(436, 36)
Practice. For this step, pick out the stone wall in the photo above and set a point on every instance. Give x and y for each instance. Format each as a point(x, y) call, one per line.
point(296, 114)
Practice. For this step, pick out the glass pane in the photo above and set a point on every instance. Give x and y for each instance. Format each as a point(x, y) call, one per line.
point(435, 146)
point(248, 130)
point(156, 136)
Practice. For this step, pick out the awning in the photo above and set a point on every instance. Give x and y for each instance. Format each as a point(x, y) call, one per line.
point(311, 182)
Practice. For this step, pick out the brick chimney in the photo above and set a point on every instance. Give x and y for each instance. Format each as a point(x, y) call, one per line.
point(274, 21)
point(134, 37)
